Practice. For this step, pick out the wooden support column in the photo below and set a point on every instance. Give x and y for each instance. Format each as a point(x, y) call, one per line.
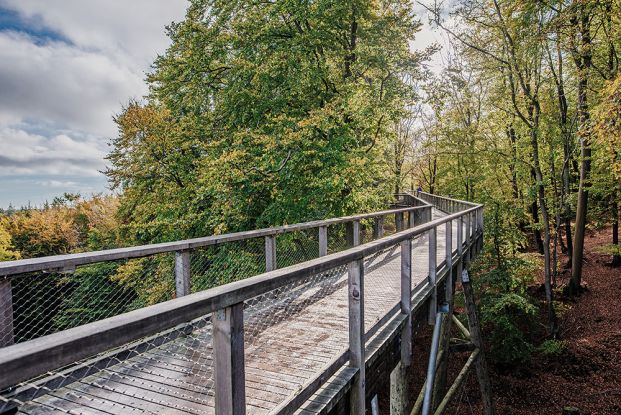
point(378, 227)
point(352, 233)
point(448, 256)
point(398, 380)
point(433, 302)
point(182, 273)
point(356, 335)
point(399, 221)
point(323, 240)
point(6, 312)
point(270, 253)
point(406, 301)
point(228, 356)
point(412, 214)
point(476, 338)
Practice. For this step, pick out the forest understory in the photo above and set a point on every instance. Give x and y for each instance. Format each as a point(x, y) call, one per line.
point(586, 373)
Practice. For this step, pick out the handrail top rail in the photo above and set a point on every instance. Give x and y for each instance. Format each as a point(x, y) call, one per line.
point(465, 202)
point(70, 261)
point(29, 359)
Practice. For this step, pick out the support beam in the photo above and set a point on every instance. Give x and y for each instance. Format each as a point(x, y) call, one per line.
point(270, 253)
point(406, 301)
point(6, 312)
point(356, 335)
point(323, 240)
point(182, 273)
point(228, 356)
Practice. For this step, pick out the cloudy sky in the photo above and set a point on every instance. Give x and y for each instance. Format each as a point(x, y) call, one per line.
point(66, 67)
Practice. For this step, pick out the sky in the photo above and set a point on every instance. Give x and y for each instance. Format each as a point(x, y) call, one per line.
point(66, 68)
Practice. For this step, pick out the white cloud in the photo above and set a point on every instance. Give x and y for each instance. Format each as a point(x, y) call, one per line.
point(60, 91)
point(22, 153)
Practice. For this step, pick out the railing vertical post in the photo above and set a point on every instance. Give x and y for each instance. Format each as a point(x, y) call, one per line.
point(352, 233)
point(6, 312)
point(412, 218)
point(356, 230)
point(433, 301)
point(356, 334)
point(399, 221)
point(406, 301)
point(378, 227)
point(270, 253)
point(323, 240)
point(448, 245)
point(467, 235)
point(228, 352)
point(182, 273)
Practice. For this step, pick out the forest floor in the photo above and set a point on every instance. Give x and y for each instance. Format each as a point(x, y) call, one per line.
point(586, 374)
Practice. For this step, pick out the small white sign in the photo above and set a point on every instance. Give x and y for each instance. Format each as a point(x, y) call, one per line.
point(464, 276)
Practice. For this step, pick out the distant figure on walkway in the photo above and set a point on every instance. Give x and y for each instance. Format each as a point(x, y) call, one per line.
point(419, 189)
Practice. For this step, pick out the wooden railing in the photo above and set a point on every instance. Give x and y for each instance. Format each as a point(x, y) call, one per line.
point(28, 360)
point(37, 268)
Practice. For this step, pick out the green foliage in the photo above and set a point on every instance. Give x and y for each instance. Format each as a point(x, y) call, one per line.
point(506, 310)
point(552, 347)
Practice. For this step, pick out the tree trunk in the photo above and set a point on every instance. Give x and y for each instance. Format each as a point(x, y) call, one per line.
point(534, 211)
point(583, 63)
point(616, 259)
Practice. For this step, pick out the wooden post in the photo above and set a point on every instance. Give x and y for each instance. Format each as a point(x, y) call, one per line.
point(448, 252)
point(398, 380)
point(433, 302)
point(378, 227)
point(6, 312)
point(228, 356)
point(356, 335)
point(399, 221)
point(182, 273)
point(412, 218)
point(356, 236)
point(476, 338)
point(406, 301)
point(323, 240)
point(270, 253)
point(352, 233)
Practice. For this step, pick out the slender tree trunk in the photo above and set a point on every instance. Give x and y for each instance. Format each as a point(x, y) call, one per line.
point(583, 62)
point(534, 211)
point(616, 259)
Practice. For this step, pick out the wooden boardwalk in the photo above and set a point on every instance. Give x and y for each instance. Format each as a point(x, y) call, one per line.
point(291, 335)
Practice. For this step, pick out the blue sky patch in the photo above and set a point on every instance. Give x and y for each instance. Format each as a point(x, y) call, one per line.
point(34, 27)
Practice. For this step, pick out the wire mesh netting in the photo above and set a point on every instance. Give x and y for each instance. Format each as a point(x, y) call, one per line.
point(171, 372)
point(292, 332)
point(296, 247)
point(45, 303)
point(382, 284)
point(220, 264)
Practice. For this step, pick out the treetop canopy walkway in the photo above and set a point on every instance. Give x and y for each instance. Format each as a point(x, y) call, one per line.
point(311, 308)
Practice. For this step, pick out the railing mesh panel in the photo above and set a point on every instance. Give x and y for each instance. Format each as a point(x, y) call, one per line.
point(45, 303)
point(220, 264)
